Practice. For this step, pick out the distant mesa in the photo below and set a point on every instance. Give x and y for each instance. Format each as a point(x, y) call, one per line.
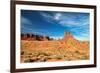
point(30, 36)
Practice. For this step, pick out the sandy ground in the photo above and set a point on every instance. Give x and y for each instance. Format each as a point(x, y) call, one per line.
point(58, 50)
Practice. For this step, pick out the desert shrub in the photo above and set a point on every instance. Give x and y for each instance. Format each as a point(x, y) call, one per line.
point(77, 52)
point(29, 53)
point(35, 54)
point(84, 57)
point(29, 60)
point(43, 53)
point(58, 57)
point(22, 52)
point(68, 59)
point(29, 56)
point(42, 60)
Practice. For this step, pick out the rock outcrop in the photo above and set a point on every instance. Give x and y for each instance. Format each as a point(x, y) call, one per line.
point(67, 35)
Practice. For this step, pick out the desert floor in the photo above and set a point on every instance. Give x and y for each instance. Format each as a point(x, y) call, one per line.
point(58, 50)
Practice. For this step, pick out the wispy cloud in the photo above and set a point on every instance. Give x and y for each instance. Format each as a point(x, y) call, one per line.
point(66, 19)
point(69, 23)
point(25, 21)
point(34, 31)
point(55, 23)
point(73, 20)
point(47, 17)
point(78, 23)
point(28, 27)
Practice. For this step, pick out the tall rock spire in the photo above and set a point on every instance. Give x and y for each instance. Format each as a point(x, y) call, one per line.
point(67, 35)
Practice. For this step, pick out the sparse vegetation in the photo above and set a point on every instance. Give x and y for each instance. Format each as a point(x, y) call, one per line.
point(67, 49)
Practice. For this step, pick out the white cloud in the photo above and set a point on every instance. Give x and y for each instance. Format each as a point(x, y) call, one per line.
point(57, 16)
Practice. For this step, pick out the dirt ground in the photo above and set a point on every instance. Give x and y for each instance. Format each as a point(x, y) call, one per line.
point(56, 50)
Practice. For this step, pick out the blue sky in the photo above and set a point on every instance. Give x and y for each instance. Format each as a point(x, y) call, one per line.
point(54, 24)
